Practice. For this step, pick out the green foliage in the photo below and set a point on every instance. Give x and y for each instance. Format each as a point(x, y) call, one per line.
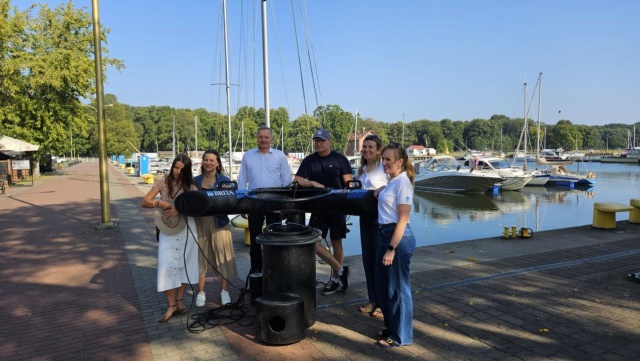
point(339, 122)
point(46, 67)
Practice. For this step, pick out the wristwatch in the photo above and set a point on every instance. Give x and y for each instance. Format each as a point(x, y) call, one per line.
point(391, 248)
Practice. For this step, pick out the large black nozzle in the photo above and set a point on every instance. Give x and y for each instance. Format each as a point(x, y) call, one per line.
point(263, 200)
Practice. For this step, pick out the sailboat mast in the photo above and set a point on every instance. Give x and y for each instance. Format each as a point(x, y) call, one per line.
point(526, 128)
point(265, 64)
point(539, 107)
point(227, 85)
point(195, 120)
point(355, 135)
point(173, 140)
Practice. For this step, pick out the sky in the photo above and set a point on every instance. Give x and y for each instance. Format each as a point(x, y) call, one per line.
point(388, 60)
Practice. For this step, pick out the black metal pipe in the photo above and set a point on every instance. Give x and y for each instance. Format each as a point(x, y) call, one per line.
point(298, 199)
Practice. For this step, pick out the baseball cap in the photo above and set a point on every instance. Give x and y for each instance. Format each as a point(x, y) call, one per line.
point(322, 134)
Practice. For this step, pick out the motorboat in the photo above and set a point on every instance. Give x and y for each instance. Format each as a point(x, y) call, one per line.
point(443, 173)
point(514, 178)
point(538, 177)
point(560, 174)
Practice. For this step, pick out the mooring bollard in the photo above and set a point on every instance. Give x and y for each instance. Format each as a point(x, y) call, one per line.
point(288, 302)
point(506, 232)
point(514, 232)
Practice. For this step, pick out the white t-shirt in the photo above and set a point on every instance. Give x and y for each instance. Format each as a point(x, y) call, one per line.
point(398, 191)
point(374, 179)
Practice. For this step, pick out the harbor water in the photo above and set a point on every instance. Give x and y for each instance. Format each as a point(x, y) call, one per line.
point(438, 218)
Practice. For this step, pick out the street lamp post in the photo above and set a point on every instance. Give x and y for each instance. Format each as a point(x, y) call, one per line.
point(105, 206)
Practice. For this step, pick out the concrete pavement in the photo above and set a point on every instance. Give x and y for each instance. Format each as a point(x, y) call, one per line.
point(72, 293)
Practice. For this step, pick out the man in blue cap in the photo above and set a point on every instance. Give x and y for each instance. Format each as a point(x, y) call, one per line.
point(328, 169)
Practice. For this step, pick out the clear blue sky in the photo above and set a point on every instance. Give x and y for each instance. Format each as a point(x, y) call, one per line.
point(461, 60)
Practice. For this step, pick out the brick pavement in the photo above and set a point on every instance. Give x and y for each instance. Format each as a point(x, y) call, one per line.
point(72, 293)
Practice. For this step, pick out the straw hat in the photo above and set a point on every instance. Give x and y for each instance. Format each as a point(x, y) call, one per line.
point(169, 227)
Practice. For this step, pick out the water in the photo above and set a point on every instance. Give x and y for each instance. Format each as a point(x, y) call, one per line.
point(438, 218)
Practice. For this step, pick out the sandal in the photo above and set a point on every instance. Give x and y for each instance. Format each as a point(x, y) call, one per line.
point(171, 310)
point(376, 313)
point(181, 310)
point(383, 333)
point(368, 308)
point(388, 343)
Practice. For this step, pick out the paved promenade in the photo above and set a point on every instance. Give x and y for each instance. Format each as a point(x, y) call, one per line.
point(70, 292)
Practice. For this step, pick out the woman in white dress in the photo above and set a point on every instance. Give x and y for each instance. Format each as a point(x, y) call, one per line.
point(177, 253)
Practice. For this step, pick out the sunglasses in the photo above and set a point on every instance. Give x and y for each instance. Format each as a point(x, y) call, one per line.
point(372, 137)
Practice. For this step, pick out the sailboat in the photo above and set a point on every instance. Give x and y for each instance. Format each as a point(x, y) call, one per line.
point(538, 178)
point(559, 174)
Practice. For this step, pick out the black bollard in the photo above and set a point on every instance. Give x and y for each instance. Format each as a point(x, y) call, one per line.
point(288, 267)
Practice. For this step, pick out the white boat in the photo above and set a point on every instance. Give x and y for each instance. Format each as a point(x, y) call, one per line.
point(443, 173)
point(538, 177)
point(550, 157)
point(514, 178)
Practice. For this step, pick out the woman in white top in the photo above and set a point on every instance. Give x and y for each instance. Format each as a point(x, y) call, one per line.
point(372, 176)
point(397, 245)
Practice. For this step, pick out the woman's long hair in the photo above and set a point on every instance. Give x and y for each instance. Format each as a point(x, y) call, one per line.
point(219, 168)
point(375, 138)
point(400, 153)
point(185, 179)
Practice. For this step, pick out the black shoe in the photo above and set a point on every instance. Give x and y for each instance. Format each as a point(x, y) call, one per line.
point(344, 279)
point(330, 288)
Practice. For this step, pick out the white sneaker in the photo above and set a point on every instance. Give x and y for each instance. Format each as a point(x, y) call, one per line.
point(201, 298)
point(224, 297)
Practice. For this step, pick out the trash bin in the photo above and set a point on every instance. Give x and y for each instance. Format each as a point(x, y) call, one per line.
point(288, 267)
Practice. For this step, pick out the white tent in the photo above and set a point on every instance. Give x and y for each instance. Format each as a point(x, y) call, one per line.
point(8, 144)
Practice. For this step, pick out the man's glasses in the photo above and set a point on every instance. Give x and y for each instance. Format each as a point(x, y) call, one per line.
point(318, 140)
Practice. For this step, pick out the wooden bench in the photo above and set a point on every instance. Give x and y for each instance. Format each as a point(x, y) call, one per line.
point(148, 178)
point(604, 213)
point(240, 222)
point(634, 215)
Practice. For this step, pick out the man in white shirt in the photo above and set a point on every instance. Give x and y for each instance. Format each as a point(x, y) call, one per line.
point(262, 167)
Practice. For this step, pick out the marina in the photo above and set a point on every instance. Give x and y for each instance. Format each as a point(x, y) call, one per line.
point(439, 218)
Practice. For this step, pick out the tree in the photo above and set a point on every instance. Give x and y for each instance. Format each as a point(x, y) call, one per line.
point(480, 133)
point(339, 122)
point(50, 68)
point(302, 130)
point(562, 135)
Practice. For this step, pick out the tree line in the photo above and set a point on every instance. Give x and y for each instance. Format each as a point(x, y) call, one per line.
point(47, 69)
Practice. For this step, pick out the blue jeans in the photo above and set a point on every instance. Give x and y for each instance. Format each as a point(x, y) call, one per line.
point(393, 286)
point(369, 241)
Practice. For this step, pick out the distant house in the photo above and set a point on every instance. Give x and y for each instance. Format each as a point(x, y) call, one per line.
point(359, 139)
point(416, 151)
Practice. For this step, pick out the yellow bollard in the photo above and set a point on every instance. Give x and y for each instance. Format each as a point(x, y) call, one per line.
point(514, 232)
point(506, 232)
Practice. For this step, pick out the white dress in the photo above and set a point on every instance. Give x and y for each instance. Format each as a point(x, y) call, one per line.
point(172, 258)
point(177, 264)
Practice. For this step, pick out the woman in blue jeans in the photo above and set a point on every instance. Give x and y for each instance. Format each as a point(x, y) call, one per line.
point(397, 245)
point(372, 176)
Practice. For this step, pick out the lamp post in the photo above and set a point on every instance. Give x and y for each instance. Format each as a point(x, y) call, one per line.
point(105, 206)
